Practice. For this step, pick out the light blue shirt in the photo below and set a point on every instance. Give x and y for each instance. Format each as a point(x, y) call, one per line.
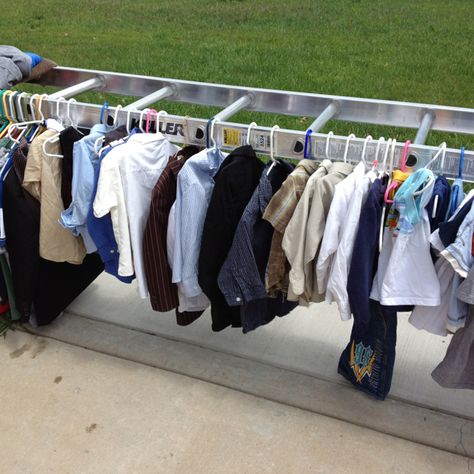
point(193, 193)
point(84, 163)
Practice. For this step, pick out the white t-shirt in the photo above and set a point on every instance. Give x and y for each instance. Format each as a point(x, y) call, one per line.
point(337, 282)
point(335, 225)
point(406, 274)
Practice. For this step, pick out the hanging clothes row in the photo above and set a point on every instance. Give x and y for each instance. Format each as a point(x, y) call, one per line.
point(197, 228)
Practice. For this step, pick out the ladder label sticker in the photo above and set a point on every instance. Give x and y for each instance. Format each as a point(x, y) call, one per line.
point(231, 137)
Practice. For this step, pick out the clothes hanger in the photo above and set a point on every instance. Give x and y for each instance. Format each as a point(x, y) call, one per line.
point(272, 148)
point(308, 147)
point(104, 109)
point(38, 128)
point(375, 163)
point(212, 140)
point(73, 124)
point(24, 127)
point(252, 125)
point(149, 114)
point(441, 151)
point(390, 143)
point(348, 139)
point(158, 123)
point(368, 138)
point(395, 184)
point(457, 186)
point(129, 112)
point(326, 150)
point(116, 114)
point(140, 120)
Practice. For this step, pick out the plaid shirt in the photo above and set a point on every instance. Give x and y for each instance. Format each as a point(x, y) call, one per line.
point(278, 213)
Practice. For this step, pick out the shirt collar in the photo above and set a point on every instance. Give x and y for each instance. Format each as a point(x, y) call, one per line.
point(264, 189)
point(310, 166)
point(342, 168)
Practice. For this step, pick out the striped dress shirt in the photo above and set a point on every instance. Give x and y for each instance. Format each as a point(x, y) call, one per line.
point(163, 293)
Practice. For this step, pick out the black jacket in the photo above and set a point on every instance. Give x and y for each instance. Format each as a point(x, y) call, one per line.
point(236, 180)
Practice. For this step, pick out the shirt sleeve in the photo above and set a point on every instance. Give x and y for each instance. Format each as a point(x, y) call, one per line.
point(105, 196)
point(239, 278)
point(329, 242)
point(293, 242)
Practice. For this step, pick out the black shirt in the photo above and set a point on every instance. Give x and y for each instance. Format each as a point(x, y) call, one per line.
point(236, 180)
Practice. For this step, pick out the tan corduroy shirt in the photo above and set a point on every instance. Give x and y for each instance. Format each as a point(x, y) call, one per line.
point(43, 181)
point(305, 231)
point(278, 213)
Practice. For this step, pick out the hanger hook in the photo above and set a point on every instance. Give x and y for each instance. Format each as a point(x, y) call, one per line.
point(461, 162)
point(68, 110)
point(211, 133)
point(348, 139)
point(40, 105)
point(129, 112)
point(441, 151)
point(252, 125)
point(330, 134)
point(377, 150)
point(385, 155)
point(20, 108)
point(58, 101)
point(368, 138)
point(392, 153)
point(140, 120)
point(158, 115)
point(272, 142)
point(119, 106)
point(11, 98)
point(149, 115)
point(404, 156)
point(32, 106)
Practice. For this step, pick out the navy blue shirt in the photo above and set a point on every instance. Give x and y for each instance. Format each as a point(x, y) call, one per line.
point(242, 276)
point(365, 255)
point(441, 194)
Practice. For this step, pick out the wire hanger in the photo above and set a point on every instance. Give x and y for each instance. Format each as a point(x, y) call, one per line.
point(252, 125)
point(441, 151)
point(393, 185)
point(272, 148)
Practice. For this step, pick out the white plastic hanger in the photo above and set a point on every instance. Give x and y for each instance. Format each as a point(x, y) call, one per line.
point(140, 120)
point(211, 133)
point(330, 134)
point(368, 138)
point(272, 148)
point(252, 125)
point(348, 139)
point(23, 126)
point(158, 115)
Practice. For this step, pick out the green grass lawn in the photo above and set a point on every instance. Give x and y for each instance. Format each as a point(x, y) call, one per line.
point(419, 51)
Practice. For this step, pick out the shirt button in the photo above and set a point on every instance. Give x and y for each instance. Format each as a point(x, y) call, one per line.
point(112, 251)
point(237, 299)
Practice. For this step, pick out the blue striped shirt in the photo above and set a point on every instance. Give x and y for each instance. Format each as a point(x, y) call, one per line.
point(194, 190)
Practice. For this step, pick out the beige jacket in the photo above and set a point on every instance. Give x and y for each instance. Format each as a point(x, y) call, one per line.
point(43, 181)
point(305, 231)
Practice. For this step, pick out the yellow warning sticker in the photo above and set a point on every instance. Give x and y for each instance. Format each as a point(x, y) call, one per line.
point(231, 137)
